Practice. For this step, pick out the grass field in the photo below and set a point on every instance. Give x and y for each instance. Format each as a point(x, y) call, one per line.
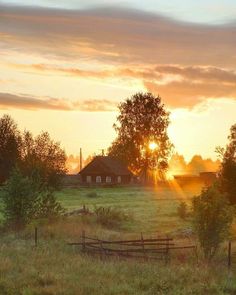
point(55, 268)
point(151, 210)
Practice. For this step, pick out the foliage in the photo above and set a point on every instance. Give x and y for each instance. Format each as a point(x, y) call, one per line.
point(182, 210)
point(212, 219)
point(227, 175)
point(142, 120)
point(92, 194)
point(9, 146)
point(39, 158)
point(23, 200)
point(109, 216)
point(42, 158)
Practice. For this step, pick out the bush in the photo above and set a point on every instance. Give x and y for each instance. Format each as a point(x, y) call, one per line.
point(24, 200)
point(109, 216)
point(212, 219)
point(92, 195)
point(182, 210)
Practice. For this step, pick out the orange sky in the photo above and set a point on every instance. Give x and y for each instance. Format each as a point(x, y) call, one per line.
point(66, 70)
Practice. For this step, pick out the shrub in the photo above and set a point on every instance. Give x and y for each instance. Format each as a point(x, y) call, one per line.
point(182, 210)
point(109, 216)
point(24, 200)
point(92, 195)
point(212, 219)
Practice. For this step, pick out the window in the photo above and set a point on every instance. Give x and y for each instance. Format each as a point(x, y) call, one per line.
point(119, 179)
point(108, 179)
point(98, 179)
point(89, 179)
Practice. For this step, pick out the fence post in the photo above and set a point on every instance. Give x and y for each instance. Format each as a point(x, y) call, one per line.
point(229, 255)
point(144, 256)
point(83, 241)
point(167, 250)
point(36, 236)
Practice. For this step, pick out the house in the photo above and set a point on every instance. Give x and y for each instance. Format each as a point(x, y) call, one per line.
point(105, 170)
point(204, 179)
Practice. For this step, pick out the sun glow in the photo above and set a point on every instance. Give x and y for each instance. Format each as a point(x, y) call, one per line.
point(152, 145)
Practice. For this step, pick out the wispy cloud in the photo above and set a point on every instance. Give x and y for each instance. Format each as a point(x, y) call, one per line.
point(116, 35)
point(179, 86)
point(12, 101)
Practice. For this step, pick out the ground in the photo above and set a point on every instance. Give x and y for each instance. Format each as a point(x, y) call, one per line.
point(152, 210)
point(55, 268)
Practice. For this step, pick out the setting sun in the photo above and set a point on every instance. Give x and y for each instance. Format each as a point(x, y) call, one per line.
point(152, 146)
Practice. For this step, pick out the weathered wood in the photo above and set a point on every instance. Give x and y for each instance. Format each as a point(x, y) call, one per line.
point(123, 244)
point(128, 241)
point(150, 248)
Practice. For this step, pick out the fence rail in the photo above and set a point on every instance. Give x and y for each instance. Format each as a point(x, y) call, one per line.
point(150, 248)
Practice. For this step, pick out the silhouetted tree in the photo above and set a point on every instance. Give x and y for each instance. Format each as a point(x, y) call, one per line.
point(9, 146)
point(42, 158)
point(142, 120)
point(39, 157)
point(227, 175)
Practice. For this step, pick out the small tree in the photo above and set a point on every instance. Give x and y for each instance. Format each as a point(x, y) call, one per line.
point(182, 210)
point(212, 219)
point(227, 175)
point(24, 200)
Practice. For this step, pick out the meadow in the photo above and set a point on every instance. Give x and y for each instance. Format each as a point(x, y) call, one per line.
point(55, 268)
point(151, 209)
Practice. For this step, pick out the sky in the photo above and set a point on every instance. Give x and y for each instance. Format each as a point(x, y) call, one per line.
point(66, 65)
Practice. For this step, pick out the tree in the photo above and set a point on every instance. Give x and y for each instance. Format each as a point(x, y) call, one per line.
point(142, 120)
point(24, 200)
point(227, 175)
point(42, 158)
point(212, 219)
point(9, 146)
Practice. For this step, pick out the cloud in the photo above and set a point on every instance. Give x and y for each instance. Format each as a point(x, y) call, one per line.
point(179, 86)
point(12, 101)
point(116, 35)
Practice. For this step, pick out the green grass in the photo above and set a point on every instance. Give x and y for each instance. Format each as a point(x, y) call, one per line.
point(151, 210)
point(55, 268)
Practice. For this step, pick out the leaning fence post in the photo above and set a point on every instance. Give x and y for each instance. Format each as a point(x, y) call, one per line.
point(229, 255)
point(36, 236)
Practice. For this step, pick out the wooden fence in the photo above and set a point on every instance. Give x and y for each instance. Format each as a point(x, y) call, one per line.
point(149, 248)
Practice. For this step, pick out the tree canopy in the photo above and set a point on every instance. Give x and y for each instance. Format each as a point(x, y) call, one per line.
point(227, 175)
point(9, 146)
point(38, 157)
point(142, 141)
point(212, 219)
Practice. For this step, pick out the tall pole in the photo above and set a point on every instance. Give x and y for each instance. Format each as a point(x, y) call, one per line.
point(81, 160)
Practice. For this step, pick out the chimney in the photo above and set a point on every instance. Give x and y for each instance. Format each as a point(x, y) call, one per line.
point(81, 160)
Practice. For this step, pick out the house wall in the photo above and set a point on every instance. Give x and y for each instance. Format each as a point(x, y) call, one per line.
point(125, 179)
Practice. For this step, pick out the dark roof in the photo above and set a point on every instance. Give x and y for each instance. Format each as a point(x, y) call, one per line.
point(106, 164)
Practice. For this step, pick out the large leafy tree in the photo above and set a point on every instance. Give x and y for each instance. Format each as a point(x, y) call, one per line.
point(9, 146)
point(227, 175)
point(142, 121)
